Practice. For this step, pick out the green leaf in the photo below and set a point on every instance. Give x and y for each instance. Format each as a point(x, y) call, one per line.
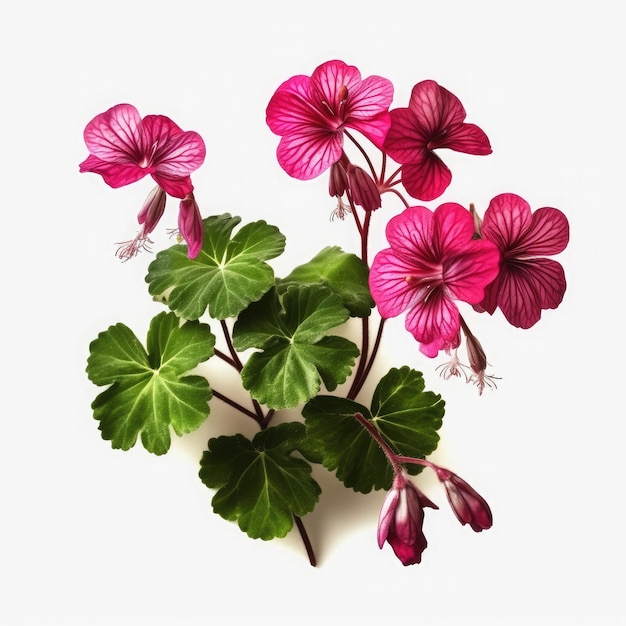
point(226, 276)
point(406, 415)
point(344, 273)
point(259, 483)
point(295, 354)
point(149, 391)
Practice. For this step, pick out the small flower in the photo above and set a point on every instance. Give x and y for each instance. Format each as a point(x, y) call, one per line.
point(311, 113)
point(468, 505)
point(401, 519)
point(434, 119)
point(433, 261)
point(527, 282)
point(124, 148)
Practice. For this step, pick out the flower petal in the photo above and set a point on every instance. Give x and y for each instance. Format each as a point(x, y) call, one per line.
point(527, 287)
point(306, 155)
point(467, 138)
point(174, 186)
point(190, 225)
point(290, 108)
point(426, 179)
point(115, 134)
point(434, 322)
point(548, 233)
point(114, 174)
point(435, 107)
point(507, 218)
point(388, 283)
point(406, 140)
point(329, 80)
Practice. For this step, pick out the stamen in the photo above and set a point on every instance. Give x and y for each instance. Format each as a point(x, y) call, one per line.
point(129, 249)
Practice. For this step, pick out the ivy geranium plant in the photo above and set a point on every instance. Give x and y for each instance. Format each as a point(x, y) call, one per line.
point(443, 264)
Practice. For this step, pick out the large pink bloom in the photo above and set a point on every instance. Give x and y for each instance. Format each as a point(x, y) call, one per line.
point(311, 113)
point(434, 119)
point(527, 282)
point(124, 148)
point(433, 261)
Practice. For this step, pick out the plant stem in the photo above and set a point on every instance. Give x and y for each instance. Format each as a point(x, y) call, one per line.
point(236, 405)
point(305, 540)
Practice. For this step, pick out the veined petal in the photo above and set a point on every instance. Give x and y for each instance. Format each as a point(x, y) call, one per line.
point(374, 128)
point(410, 234)
point(114, 174)
point(468, 272)
point(406, 140)
point(453, 227)
point(181, 155)
point(548, 233)
point(329, 79)
point(434, 320)
point(115, 135)
point(427, 179)
point(506, 219)
point(388, 283)
point(435, 107)
point(372, 97)
point(308, 154)
point(155, 133)
point(467, 138)
point(527, 287)
point(178, 187)
point(291, 108)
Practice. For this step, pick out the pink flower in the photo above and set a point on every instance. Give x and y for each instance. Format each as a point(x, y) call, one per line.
point(433, 261)
point(433, 119)
point(124, 148)
point(401, 518)
point(527, 282)
point(311, 113)
point(468, 505)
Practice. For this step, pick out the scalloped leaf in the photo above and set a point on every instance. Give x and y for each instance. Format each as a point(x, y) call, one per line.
point(344, 273)
point(295, 354)
point(226, 276)
point(149, 391)
point(406, 415)
point(259, 483)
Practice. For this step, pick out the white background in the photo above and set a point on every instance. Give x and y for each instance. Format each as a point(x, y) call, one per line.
point(91, 535)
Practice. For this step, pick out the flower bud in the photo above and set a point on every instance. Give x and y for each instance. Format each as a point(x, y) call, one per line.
point(363, 188)
point(152, 210)
point(468, 505)
point(401, 518)
point(190, 225)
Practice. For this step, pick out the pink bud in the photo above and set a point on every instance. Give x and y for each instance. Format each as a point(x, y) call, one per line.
point(468, 505)
point(190, 225)
point(152, 210)
point(401, 518)
point(364, 190)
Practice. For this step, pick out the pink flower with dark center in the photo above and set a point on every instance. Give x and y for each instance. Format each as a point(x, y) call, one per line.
point(124, 148)
point(434, 119)
point(468, 505)
point(311, 113)
point(433, 261)
point(527, 282)
point(401, 518)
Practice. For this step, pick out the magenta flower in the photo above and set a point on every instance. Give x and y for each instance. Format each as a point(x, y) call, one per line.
point(311, 113)
point(401, 518)
point(124, 148)
point(468, 505)
point(433, 119)
point(433, 261)
point(527, 282)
